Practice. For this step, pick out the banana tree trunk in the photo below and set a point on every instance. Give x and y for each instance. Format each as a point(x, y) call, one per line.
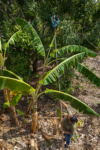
point(37, 89)
point(34, 126)
point(15, 119)
point(29, 107)
point(5, 91)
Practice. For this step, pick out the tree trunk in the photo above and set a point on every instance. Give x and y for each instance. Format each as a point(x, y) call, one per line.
point(15, 119)
point(37, 88)
point(34, 126)
point(8, 98)
point(5, 91)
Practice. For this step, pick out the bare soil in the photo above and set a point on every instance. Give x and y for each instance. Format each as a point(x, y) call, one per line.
point(87, 135)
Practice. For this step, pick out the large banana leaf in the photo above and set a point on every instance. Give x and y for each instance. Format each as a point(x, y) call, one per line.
point(15, 85)
point(72, 48)
point(7, 73)
point(89, 74)
point(74, 102)
point(52, 75)
point(26, 27)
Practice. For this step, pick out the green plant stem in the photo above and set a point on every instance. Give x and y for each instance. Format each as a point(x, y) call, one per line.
point(40, 94)
point(52, 61)
point(50, 47)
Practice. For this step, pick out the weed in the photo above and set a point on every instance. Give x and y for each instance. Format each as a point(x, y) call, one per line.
point(76, 135)
point(73, 138)
point(24, 121)
point(48, 144)
point(79, 123)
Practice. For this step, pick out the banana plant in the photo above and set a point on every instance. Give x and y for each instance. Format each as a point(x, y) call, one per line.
point(78, 53)
point(15, 89)
point(6, 91)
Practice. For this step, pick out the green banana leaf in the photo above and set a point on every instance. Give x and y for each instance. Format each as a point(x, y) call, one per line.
point(15, 99)
point(15, 85)
point(89, 74)
point(74, 102)
point(52, 75)
point(13, 39)
point(72, 48)
point(7, 73)
point(26, 27)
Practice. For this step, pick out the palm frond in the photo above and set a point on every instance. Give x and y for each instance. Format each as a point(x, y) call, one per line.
point(74, 102)
point(71, 49)
point(89, 74)
point(26, 27)
point(52, 75)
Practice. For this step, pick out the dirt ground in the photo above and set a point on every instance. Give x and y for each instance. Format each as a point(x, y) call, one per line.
point(87, 135)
